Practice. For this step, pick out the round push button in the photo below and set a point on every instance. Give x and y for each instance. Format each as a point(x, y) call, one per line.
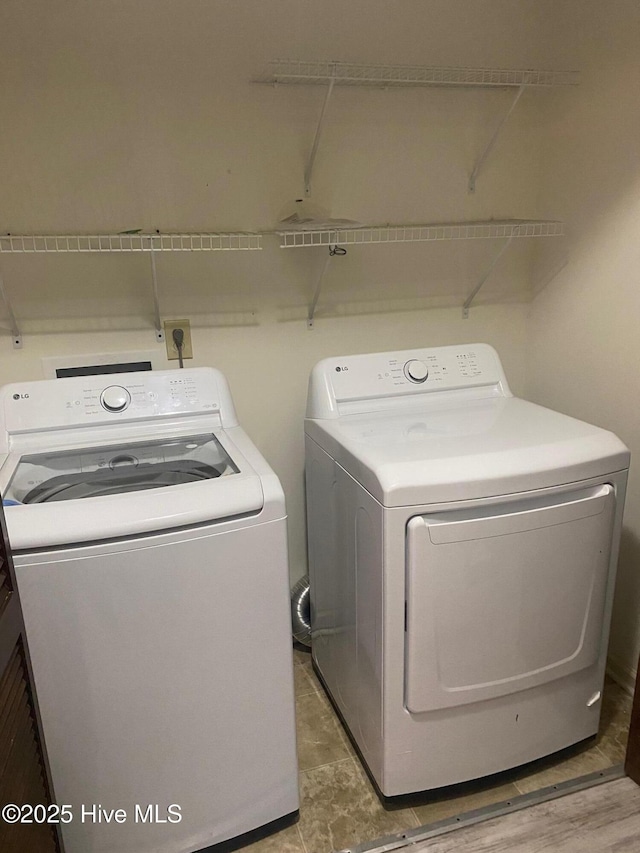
point(115, 398)
point(416, 371)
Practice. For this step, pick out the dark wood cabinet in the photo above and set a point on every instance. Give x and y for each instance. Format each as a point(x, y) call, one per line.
point(632, 762)
point(22, 775)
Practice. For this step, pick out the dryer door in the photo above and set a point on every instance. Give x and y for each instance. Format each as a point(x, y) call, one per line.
point(504, 598)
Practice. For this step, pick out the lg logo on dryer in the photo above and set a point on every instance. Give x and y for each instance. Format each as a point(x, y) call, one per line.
point(20, 396)
point(338, 369)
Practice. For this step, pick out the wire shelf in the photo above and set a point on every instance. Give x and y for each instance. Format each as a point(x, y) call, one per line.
point(492, 229)
point(349, 74)
point(56, 243)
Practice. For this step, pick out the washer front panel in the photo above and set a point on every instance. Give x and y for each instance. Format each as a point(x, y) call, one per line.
point(144, 700)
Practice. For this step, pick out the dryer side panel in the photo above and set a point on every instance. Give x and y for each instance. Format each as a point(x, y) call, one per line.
point(345, 529)
point(322, 545)
point(506, 598)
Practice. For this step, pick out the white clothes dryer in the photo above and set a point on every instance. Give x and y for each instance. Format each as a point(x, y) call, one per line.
point(149, 540)
point(462, 546)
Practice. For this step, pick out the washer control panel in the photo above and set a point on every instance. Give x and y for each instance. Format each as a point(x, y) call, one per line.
point(338, 385)
point(140, 394)
point(126, 397)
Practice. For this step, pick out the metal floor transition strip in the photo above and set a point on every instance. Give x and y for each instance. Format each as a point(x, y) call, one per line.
point(432, 830)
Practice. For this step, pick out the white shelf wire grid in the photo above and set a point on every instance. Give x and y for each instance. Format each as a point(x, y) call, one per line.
point(56, 243)
point(420, 233)
point(349, 74)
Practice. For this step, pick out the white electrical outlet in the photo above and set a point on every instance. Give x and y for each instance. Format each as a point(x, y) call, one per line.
point(172, 350)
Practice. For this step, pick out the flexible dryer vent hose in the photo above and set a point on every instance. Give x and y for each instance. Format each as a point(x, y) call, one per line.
point(301, 611)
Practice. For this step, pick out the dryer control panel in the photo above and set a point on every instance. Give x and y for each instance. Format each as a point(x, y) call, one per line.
point(119, 397)
point(341, 384)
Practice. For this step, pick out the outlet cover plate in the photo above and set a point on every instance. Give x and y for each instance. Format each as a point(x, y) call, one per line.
point(187, 349)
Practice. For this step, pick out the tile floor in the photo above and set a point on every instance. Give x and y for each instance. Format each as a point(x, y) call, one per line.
point(338, 805)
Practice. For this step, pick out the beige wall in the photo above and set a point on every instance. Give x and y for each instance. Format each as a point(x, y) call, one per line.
point(121, 115)
point(583, 329)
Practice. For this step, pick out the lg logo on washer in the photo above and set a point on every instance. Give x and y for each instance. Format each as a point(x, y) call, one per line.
point(20, 396)
point(338, 369)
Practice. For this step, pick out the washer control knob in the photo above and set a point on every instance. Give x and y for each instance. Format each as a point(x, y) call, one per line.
point(115, 398)
point(416, 371)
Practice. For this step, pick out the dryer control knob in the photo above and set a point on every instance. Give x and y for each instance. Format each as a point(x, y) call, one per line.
point(416, 371)
point(115, 398)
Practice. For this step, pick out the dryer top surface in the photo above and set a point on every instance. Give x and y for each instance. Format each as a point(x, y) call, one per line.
point(467, 449)
point(441, 424)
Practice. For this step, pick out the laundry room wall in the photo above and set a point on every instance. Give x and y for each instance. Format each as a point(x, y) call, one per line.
point(583, 329)
point(119, 116)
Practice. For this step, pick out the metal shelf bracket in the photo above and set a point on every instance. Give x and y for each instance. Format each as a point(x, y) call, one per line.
point(316, 142)
point(476, 289)
point(489, 146)
point(16, 334)
point(156, 303)
point(333, 251)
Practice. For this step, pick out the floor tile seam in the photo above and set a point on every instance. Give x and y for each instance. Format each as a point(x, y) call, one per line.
point(343, 735)
point(313, 679)
point(328, 764)
point(605, 756)
point(414, 814)
point(301, 837)
point(308, 693)
point(315, 685)
point(317, 689)
point(526, 790)
point(344, 739)
point(614, 748)
point(519, 789)
point(415, 817)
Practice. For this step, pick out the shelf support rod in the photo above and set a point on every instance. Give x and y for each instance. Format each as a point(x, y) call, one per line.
point(481, 160)
point(476, 289)
point(316, 142)
point(334, 249)
point(316, 294)
point(156, 303)
point(16, 334)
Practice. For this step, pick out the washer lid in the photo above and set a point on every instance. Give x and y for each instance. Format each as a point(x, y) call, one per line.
point(89, 493)
point(467, 450)
point(117, 468)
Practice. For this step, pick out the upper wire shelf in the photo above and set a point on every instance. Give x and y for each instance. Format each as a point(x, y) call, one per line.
point(492, 229)
point(350, 74)
point(210, 242)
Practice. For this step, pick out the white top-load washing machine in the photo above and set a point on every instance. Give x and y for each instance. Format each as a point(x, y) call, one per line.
point(462, 547)
point(150, 553)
